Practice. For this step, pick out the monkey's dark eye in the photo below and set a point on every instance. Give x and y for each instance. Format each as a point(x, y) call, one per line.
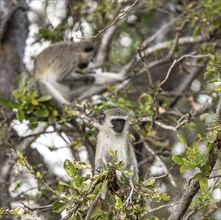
point(118, 125)
point(102, 117)
point(89, 49)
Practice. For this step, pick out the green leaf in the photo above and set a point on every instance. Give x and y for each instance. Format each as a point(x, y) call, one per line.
point(208, 75)
point(203, 117)
point(203, 183)
point(209, 148)
point(182, 139)
point(63, 184)
point(69, 168)
point(59, 206)
point(212, 80)
point(34, 102)
point(145, 98)
point(211, 137)
point(182, 168)
point(8, 103)
point(217, 88)
point(118, 203)
point(42, 113)
point(20, 115)
point(55, 112)
point(212, 56)
point(97, 213)
point(164, 196)
point(178, 159)
point(17, 211)
point(198, 176)
point(44, 98)
point(113, 153)
point(149, 182)
point(197, 29)
point(206, 169)
point(38, 175)
point(104, 189)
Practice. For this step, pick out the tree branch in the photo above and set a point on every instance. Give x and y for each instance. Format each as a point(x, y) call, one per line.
point(192, 188)
point(4, 24)
point(114, 21)
point(161, 163)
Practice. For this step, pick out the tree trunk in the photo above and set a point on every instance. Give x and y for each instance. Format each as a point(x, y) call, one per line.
point(13, 33)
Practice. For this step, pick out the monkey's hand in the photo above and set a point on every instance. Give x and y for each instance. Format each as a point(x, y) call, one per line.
point(100, 169)
point(76, 77)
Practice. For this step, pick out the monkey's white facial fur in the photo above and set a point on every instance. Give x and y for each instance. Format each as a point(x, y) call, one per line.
point(86, 53)
point(114, 120)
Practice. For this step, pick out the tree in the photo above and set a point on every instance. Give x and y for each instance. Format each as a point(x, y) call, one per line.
point(14, 31)
point(171, 53)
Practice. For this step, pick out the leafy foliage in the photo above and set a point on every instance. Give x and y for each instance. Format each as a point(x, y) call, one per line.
point(86, 189)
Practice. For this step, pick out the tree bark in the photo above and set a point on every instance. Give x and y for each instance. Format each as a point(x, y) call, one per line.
point(13, 33)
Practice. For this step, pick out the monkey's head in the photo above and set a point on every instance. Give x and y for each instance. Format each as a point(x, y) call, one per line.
point(114, 121)
point(86, 51)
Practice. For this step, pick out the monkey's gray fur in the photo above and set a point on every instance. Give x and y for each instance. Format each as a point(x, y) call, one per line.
point(113, 135)
point(58, 73)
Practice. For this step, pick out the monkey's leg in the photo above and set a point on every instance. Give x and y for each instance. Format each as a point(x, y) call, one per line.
point(47, 89)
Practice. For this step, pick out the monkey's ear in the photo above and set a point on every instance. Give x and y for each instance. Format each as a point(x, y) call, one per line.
point(102, 117)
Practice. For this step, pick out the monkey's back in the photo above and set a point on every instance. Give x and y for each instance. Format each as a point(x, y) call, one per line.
point(56, 59)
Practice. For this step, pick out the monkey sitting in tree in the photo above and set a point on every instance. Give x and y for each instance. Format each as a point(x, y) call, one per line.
point(58, 73)
point(113, 135)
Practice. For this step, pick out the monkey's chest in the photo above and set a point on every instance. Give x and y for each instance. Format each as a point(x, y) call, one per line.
point(117, 145)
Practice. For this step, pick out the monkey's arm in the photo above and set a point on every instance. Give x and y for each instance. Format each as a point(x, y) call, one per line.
point(76, 77)
point(101, 80)
point(99, 163)
point(132, 165)
point(100, 158)
point(47, 89)
point(95, 78)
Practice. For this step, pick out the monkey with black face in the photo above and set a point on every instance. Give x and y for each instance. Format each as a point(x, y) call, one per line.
point(113, 135)
point(58, 73)
point(56, 69)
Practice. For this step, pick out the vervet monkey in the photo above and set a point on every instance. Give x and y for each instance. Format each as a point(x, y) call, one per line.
point(113, 135)
point(58, 73)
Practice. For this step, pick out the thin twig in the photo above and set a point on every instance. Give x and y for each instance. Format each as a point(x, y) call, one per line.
point(149, 77)
point(165, 174)
point(160, 124)
point(88, 216)
point(40, 208)
point(161, 163)
point(178, 60)
point(113, 22)
point(161, 207)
